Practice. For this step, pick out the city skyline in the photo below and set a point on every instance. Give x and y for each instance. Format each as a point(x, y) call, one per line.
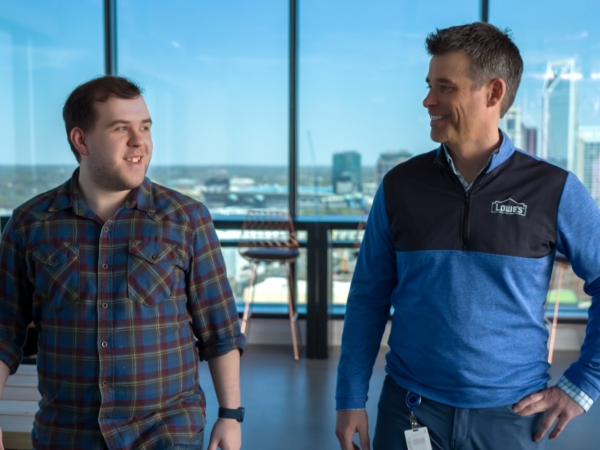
point(216, 78)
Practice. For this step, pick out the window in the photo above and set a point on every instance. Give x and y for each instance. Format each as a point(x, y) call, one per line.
point(46, 49)
point(556, 114)
point(215, 76)
point(362, 69)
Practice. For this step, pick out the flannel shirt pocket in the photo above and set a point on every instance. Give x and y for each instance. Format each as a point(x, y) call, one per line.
point(150, 271)
point(57, 273)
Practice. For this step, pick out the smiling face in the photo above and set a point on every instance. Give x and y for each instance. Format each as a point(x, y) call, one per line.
point(459, 113)
point(117, 151)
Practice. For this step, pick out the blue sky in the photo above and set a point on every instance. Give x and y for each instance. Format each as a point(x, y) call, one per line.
point(215, 73)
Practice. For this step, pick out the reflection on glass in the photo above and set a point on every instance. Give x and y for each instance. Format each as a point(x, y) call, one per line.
point(362, 82)
point(46, 50)
point(556, 114)
point(215, 76)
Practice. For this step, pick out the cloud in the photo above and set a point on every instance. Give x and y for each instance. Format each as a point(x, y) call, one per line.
point(175, 44)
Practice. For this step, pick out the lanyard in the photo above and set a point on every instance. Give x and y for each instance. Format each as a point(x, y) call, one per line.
point(413, 401)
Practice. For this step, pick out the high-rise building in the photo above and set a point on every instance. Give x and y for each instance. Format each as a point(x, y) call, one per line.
point(511, 125)
point(346, 172)
point(589, 141)
point(529, 140)
point(387, 161)
point(560, 118)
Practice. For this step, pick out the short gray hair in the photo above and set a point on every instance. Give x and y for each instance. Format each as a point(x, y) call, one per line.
point(493, 54)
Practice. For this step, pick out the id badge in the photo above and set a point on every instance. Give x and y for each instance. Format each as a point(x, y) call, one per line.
point(418, 439)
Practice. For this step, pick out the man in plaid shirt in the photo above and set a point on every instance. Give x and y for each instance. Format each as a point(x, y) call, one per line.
point(125, 282)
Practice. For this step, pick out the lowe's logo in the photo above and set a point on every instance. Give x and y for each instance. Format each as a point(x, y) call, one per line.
point(509, 207)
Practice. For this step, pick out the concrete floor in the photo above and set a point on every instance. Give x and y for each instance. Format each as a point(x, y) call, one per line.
point(290, 405)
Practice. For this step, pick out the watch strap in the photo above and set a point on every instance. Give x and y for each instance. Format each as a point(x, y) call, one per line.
point(237, 414)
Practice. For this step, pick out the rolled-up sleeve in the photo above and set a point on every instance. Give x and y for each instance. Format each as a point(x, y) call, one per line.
point(15, 298)
point(211, 302)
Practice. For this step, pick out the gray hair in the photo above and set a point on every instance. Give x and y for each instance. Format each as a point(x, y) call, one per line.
point(493, 55)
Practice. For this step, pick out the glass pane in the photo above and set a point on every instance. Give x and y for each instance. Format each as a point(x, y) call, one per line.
point(362, 82)
point(46, 50)
point(215, 76)
point(270, 285)
point(556, 114)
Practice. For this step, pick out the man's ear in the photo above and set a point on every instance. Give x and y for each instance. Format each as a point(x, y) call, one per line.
point(77, 137)
point(496, 92)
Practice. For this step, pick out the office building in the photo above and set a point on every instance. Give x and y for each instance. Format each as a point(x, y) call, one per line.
point(387, 161)
point(346, 172)
point(511, 125)
point(560, 116)
point(529, 140)
point(589, 141)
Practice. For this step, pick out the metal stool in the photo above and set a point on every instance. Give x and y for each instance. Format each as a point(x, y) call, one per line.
point(269, 236)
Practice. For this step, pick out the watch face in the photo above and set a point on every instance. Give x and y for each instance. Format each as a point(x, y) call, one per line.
point(242, 412)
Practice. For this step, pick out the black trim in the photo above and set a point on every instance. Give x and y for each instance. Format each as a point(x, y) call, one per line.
point(293, 140)
point(485, 10)
point(509, 211)
point(110, 37)
point(318, 291)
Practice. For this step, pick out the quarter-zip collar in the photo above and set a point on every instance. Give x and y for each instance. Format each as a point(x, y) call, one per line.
point(505, 151)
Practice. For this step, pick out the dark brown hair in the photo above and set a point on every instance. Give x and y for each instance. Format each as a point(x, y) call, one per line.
point(79, 108)
point(493, 55)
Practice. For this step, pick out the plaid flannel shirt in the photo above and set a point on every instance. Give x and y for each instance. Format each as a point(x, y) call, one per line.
point(123, 309)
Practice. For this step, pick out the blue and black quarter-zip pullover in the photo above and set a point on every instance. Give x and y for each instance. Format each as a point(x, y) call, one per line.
point(467, 274)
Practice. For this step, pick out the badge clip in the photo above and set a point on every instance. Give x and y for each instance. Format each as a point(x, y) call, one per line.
point(413, 401)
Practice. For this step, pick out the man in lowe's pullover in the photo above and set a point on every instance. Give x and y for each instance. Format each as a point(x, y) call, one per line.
point(461, 242)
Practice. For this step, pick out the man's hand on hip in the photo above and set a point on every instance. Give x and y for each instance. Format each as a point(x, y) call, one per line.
point(558, 406)
point(226, 435)
point(349, 422)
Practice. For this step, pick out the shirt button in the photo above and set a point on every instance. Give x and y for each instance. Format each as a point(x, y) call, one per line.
point(106, 229)
point(104, 383)
point(105, 266)
point(104, 418)
point(105, 344)
point(154, 257)
point(105, 305)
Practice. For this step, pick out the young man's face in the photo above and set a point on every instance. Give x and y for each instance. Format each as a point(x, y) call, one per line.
point(457, 110)
point(119, 147)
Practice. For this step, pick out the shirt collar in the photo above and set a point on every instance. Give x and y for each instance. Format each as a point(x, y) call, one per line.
point(506, 150)
point(69, 195)
point(499, 156)
point(141, 197)
point(465, 184)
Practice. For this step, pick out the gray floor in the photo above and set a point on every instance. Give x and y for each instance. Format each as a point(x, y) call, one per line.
point(290, 405)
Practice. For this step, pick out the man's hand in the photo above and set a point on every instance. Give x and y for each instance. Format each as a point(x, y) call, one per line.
point(349, 422)
point(1, 441)
point(226, 435)
point(556, 403)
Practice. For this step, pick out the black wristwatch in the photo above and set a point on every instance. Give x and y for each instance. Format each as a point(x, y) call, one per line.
point(237, 414)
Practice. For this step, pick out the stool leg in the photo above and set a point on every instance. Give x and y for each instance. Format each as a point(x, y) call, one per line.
point(246, 315)
point(292, 309)
point(555, 318)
